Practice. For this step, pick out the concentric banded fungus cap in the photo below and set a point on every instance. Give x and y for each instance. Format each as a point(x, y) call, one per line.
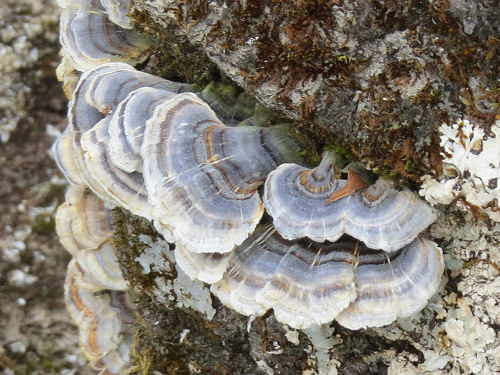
point(109, 84)
point(304, 282)
point(83, 224)
point(101, 265)
point(80, 293)
point(202, 176)
point(126, 128)
point(380, 216)
point(308, 283)
point(83, 221)
point(124, 189)
point(89, 38)
point(99, 333)
point(104, 344)
point(98, 93)
point(104, 320)
point(399, 288)
point(81, 117)
point(117, 11)
point(62, 150)
point(100, 90)
point(116, 362)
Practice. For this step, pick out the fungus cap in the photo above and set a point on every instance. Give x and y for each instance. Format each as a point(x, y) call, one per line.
point(308, 283)
point(104, 321)
point(394, 288)
point(117, 11)
point(207, 267)
point(127, 124)
point(380, 216)
point(303, 282)
point(109, 182)
point(102, 266)
point(89, 38)
point(82, 221)
point(198, 188)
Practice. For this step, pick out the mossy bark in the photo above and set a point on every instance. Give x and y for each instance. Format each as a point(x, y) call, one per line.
point(375, 78)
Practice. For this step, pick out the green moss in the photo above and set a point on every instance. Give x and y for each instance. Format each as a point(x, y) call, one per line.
point(44, 224)
point(313, 140)
point(389, 174)
point(229, 101)
point(127, 229)
point(344, 152)
point(266, 116)
point(173, 56)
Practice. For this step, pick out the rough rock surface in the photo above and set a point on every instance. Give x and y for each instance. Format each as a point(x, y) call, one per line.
point(379, 76)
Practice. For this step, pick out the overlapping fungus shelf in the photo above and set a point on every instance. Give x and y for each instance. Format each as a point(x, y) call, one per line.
point(379, 215)
point(329, 249)
point(307, 282)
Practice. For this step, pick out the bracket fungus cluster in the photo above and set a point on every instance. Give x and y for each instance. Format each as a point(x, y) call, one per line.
point(328, 248)
point(95, 291)
point(377, 270)
point(380, 216)
point(139, 144)
point(173, 161)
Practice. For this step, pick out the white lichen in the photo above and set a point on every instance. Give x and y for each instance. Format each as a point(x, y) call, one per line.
point(471, 169)
point(470, 336)
point(455, 334)
point(322, 342)
point(187, 293)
